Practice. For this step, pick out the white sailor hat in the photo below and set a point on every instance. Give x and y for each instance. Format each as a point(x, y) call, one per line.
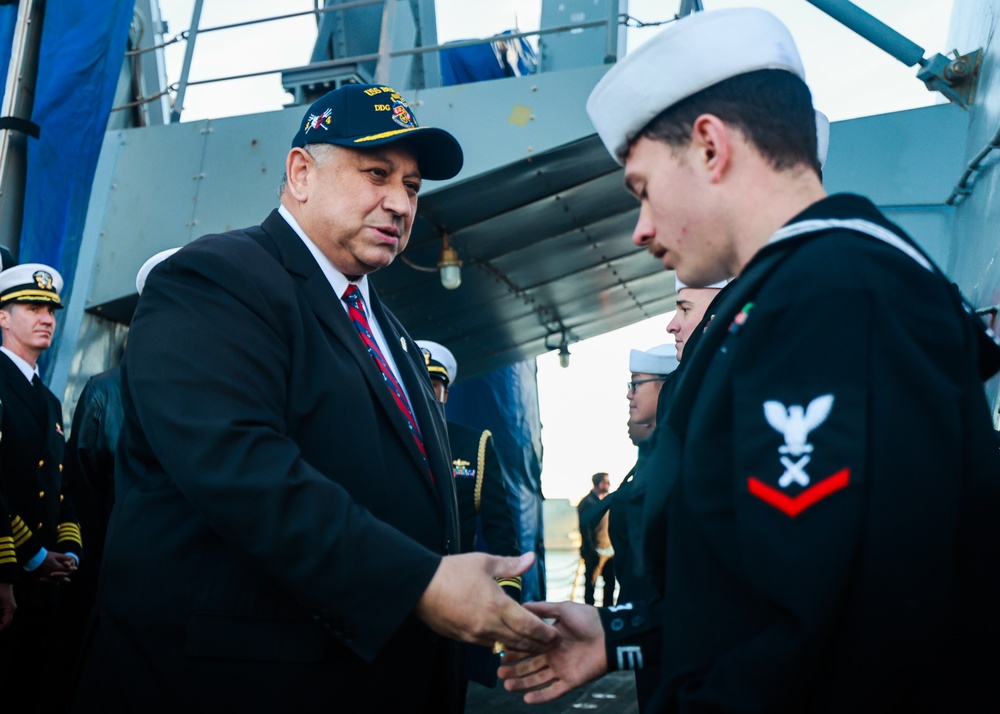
point(680, 285)
point(31, 282)
point(6, 258)
point(140, 277)
point(822, 136)
point(686, 57)
point(661, 359)
point(441, 362)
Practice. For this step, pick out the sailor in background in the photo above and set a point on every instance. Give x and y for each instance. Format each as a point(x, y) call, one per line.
point(486, 521)
point(651, 372)
point(90, 463)
point(35, 652)
point(832, 540)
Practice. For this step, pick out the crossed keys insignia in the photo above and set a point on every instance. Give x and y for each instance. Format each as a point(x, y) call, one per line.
point(795, 423)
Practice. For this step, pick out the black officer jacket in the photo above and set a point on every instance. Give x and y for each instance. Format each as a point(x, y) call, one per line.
point(830, 531)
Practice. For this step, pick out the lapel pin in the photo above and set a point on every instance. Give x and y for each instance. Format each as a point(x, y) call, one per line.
point(402, 342)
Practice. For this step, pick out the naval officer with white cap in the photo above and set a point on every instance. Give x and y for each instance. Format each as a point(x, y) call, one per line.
point(831, 539)
point(36, 650)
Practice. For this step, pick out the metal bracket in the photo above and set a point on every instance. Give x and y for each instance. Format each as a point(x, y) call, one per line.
point(954, 78)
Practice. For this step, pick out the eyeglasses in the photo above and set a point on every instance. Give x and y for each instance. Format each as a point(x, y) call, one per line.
point(635, 383)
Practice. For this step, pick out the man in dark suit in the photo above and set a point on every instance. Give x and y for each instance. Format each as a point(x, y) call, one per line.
point(34, 651)
point(90, 464)
point(284, 516)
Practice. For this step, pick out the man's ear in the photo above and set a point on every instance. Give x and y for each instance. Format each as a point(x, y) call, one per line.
point(298, 165)
point(712, 141)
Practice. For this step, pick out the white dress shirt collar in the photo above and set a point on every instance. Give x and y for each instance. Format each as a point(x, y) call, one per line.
point(27, 370)
point(338, 281)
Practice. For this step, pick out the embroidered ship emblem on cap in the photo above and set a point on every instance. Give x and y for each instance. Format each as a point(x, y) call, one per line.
point(402, 116)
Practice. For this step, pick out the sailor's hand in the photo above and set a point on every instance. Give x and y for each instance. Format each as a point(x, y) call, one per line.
point(464, 602)
point(577, 658)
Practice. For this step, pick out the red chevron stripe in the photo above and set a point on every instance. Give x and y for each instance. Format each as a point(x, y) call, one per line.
point(810, 496)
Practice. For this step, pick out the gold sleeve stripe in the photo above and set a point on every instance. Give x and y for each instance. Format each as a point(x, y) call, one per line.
point(7, 554)
point(70, 532)
point(481, 463)
point(21, 532)
point(509, 582)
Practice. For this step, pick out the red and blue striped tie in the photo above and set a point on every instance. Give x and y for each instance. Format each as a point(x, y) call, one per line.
point(356, 311)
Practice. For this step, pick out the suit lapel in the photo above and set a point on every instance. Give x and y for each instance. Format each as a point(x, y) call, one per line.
point(325, 304)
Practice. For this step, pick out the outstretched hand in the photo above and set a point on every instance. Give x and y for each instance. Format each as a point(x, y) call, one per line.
point(577, 658)
point(464, 602)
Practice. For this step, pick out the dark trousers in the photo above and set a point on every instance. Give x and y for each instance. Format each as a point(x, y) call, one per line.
point(36, 650)
point(590, 563)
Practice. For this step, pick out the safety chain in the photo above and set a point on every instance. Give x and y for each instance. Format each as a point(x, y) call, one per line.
point(145, 100)
point(144, 50)
point(629, 21)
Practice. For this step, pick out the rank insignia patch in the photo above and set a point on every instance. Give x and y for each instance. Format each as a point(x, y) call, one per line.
point(796, 489)
point(795, 423)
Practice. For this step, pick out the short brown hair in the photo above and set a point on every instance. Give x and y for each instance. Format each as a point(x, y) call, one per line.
point(772, 108)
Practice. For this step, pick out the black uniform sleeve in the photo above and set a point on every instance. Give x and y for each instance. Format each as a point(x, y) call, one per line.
point(632, 635)
point(8, 556)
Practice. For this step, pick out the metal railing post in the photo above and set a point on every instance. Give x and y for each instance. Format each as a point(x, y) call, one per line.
point(182, 84)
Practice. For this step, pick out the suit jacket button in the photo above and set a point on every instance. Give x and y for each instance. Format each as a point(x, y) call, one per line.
point(41, 494)
point(41, 464)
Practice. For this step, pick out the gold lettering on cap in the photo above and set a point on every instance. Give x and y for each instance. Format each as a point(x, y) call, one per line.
point(383, 107)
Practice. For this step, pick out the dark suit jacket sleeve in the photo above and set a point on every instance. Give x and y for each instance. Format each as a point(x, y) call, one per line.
point(214, 357)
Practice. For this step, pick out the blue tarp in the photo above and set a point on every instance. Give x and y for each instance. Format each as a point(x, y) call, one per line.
point(506, 403)
point(80, 58)
point(8, 20)
point(496, 60)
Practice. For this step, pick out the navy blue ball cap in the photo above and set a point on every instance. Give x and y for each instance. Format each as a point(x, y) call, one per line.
point(359, 116)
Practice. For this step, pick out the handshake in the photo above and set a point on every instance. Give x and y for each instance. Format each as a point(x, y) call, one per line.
point(548, 648)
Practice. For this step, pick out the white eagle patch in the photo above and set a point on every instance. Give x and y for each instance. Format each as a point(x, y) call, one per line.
point(795, 423)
